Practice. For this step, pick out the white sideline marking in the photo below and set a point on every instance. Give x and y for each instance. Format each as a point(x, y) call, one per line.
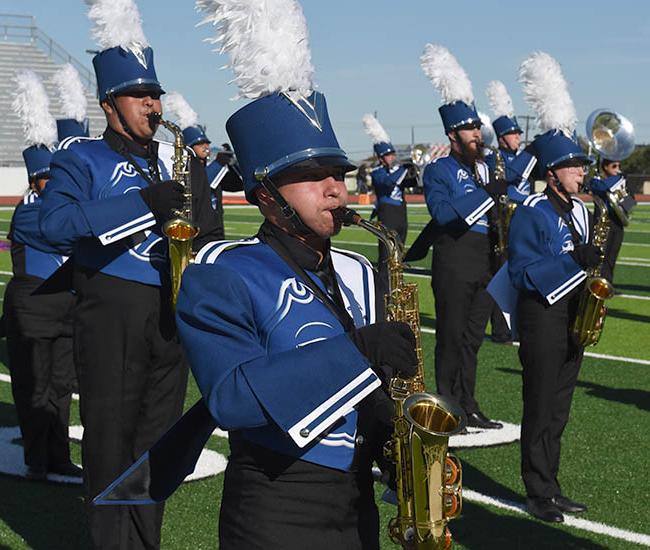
point(578, 523)
point(587, 353)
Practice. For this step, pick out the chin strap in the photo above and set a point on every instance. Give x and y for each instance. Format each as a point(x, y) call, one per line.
point(288, 213)
point(113, 104)
point(559, 186)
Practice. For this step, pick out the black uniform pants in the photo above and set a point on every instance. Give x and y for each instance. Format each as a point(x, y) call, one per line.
point(460, 272)
point(132, 382)
point(612, 248)
point(39, 348)
point(275, 502)
point(394, 217)
point(551, 362)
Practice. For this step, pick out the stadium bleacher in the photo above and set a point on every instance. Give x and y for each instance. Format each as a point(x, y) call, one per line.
point(25, 46)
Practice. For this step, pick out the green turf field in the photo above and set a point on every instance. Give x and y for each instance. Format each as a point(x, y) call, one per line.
point(604, 457)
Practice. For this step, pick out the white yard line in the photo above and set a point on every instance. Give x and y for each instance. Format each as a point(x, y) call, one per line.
point(571, 521)
point(618, 358)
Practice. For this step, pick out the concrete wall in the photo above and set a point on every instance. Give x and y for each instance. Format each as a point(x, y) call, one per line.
point(13, 181)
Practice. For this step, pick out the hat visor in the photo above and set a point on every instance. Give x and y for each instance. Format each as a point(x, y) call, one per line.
point(140, 88)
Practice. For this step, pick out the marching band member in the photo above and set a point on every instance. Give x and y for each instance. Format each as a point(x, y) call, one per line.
point(220, 176)
point(280, 328)
point(105, 204)
point(549, 251)
point(519, 164)
point(609, 180)
point(459, 194)
point(39, 325)
point(387, 179)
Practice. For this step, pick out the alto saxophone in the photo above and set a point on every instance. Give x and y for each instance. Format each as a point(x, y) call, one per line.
point(592, 308)
point(505, 207)
point(428, 478)
point(180, 230)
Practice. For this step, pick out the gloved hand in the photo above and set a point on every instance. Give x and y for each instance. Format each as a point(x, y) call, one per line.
point(163, 198)
point(389, 346)
point(497, 187)
point(586, 255)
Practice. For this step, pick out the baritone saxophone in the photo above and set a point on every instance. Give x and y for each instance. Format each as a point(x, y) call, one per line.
point(428, 477)
point(592, 308)
point(180, 230)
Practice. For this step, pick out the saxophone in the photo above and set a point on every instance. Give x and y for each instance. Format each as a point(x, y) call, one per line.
point(180, 230)
point(592, 308)
point(505, 207)
point(428, 478)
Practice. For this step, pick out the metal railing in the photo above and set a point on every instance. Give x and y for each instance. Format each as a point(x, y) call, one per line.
point(23, 29)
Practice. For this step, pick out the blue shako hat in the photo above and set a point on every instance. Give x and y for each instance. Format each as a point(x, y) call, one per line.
point(276, 131)
point(555, 147)
point(69, 127)
point(383, 148)
point(37, 160)
point(506, 125)
point(118, 70)
point(457, 114)
point(193, 135)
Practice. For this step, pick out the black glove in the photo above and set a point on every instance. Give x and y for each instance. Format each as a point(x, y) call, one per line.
point(586, 255)
point(497, 187)
point(163, 198)
point(389, 347)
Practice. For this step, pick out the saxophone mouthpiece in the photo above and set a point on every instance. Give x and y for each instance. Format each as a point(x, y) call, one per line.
point(346, 216)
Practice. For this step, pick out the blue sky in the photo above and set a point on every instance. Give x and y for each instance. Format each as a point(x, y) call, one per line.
point(366, 56)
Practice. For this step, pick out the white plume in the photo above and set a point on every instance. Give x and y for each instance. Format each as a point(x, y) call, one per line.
point(374, 129)
point(547, 93)
point(446, 75)
point(117, 23)
point(499, 99)
point(267, 41)
point(184, 115)
point(32, 106)
point(71, 93)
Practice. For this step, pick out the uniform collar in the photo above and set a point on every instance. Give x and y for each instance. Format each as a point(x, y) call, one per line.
point(119, 143)
point(305, 256)
point(565, 207)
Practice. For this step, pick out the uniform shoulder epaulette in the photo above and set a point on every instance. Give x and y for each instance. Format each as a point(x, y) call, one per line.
point(30, 198)
point(211, 251)
point(67, 142)
point(354, 255)
point(534, 199)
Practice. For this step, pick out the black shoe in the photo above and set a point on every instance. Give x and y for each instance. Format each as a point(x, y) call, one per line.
point(36, 473)
point(544, 509)
point(67, 469)
point(567, 505)
point(502, 339)
point(479, 420)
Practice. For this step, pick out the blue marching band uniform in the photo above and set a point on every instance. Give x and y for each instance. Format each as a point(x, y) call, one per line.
point(390, 204)
point(547, 269)
point(39, 336)
point(461, 267)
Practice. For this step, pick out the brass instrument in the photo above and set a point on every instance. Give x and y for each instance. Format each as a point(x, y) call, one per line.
point(505, 207)
point(428, 478)
point(180, 230)
point(611, 135)
point(592, 308)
